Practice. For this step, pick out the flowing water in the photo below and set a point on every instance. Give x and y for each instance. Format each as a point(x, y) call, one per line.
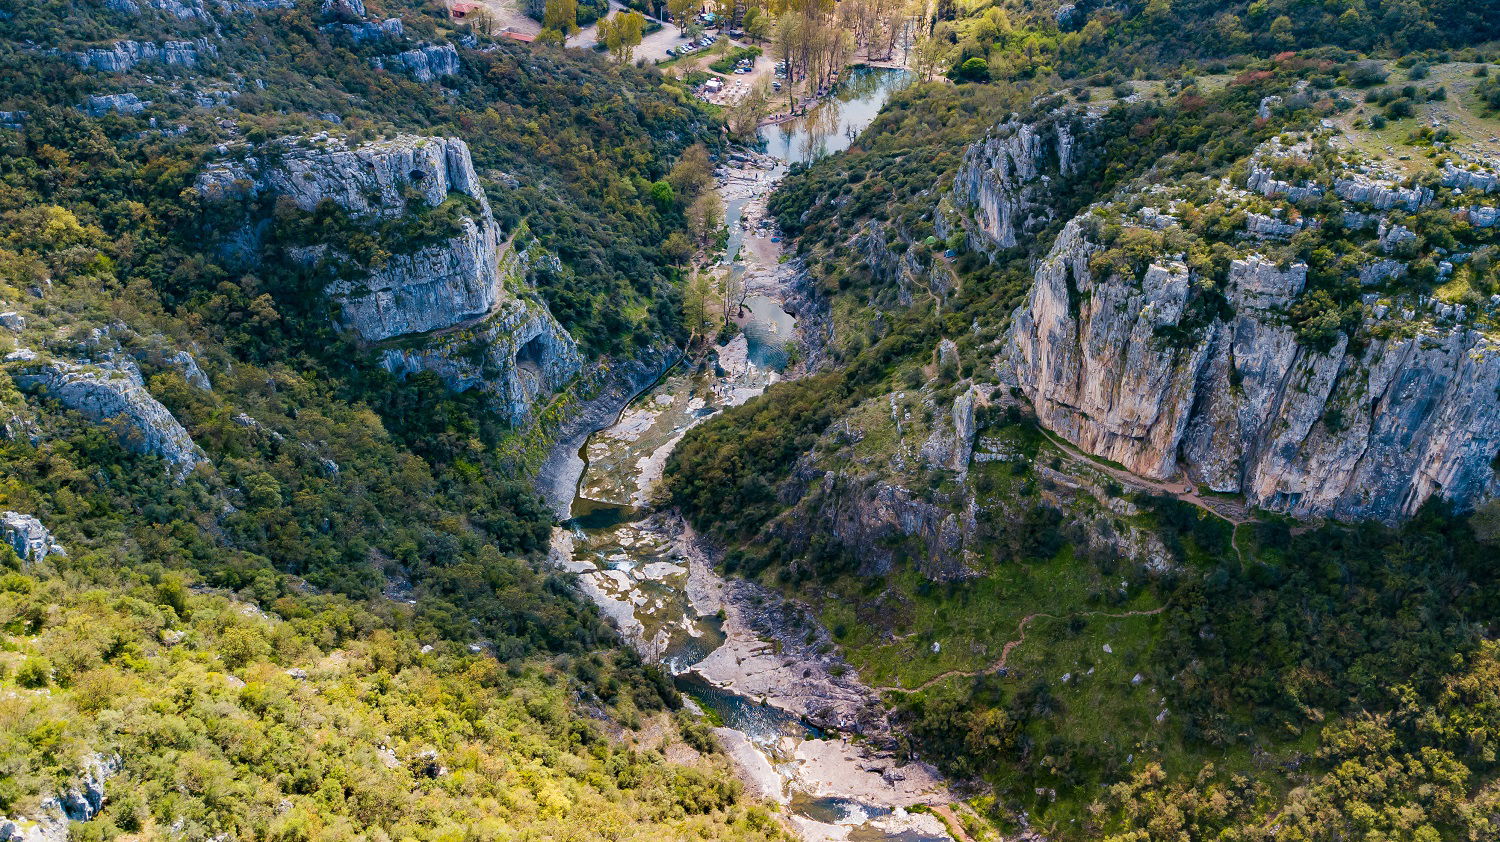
point(626, 558)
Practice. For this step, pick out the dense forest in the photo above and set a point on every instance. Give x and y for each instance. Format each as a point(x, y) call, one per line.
point(263, 583)
point(339, 624)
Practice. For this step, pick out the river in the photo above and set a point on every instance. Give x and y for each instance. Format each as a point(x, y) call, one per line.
point(759, 666)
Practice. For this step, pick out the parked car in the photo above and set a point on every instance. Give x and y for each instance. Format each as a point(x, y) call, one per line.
point(671, 52)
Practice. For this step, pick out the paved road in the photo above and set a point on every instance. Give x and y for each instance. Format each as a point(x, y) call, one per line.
point(652, 48)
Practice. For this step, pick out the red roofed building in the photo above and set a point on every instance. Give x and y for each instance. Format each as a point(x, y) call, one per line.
point(461, 10)
point(519, 36)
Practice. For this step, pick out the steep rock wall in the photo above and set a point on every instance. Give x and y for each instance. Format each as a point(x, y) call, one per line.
point(1372, 432)
point(458, 308)
point(1007, 181)
point(518, 355)
point(431, 289)
point(370, 180)
point(122, 56)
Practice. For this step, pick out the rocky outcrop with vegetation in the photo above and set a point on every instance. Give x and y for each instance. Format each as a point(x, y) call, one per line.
point(458, 307)
point(1217, 364)
point(1008, 182)
point(113, 393)
point(1243, 407)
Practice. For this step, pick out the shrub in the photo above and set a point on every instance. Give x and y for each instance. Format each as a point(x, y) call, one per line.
point(974, 70)
point(1366, 73)
point(34, 672)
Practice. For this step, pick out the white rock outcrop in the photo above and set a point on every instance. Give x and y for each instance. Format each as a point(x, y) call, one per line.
point(112, 393)
point(122, 56)
point(1004, 178)
point(1242, 407)
point(26, 535)
point(1381, 194)
point(1487, 181)
point(425, 63)
point(80, 802)
point(438, 287)
point(100, 104)
point(444, 308)
point(1263, 180)
point(369, 180)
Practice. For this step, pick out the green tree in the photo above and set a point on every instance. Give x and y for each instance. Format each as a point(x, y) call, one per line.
point(975, 69)
point(34, 672)
point(240, 646)
point(682, 10)
point(1281, 32)
point(695, 305)
point(692, 172)
point(663, 194)
point(705, 215)
point(621, 33)
point(677, 248)
point(561, 16)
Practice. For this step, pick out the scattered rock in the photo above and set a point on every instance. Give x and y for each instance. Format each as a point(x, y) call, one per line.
point(28, 537)
point(99, 105)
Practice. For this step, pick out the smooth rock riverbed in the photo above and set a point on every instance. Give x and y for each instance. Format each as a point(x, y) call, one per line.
point(799, 727)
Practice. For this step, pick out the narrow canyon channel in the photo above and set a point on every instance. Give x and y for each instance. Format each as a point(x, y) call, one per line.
point(798, 726)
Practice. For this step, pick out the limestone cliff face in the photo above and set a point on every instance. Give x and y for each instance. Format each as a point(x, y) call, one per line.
point(458, 308)
point(1353, 433)
point(122, 56)
point(370, 180)
point(432, 289)
point(518, 354)
point(425, 63)
point(1007, 181)
point(114, 393)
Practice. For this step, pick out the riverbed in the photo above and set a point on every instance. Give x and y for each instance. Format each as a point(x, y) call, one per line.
point(799, 727)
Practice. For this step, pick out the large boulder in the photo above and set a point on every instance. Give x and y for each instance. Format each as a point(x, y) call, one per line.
point(28, 537)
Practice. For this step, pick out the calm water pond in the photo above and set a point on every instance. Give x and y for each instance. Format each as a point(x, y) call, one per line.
point(832, 125)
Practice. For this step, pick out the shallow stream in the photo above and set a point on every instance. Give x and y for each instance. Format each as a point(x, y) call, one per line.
point(630, 562)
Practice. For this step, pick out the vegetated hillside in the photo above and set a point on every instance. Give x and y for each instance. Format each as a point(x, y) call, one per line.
point(1005, 40)
point(1153, 655)
point(254, 583)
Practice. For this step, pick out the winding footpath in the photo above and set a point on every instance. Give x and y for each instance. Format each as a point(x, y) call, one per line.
point(1011, 645)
